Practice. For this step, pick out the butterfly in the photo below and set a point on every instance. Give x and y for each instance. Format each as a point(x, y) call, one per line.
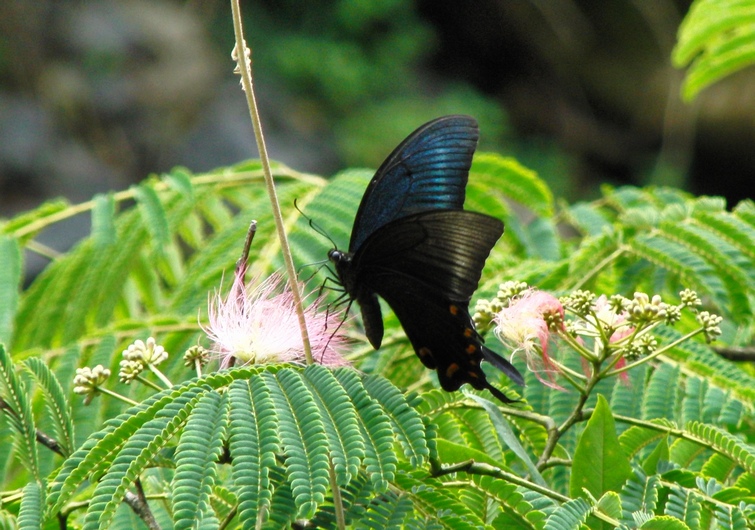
point(415, 246)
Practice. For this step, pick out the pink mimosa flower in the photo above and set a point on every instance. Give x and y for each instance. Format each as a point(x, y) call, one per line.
point(261, 326)
point(523, 327)
point(607, 317)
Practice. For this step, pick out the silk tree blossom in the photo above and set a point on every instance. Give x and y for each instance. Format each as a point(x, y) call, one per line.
point(526, 325)
point(261, 326)
point(604, 317)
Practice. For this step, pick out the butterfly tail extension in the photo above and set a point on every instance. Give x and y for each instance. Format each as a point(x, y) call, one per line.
point(503, 365)
point(500, 395)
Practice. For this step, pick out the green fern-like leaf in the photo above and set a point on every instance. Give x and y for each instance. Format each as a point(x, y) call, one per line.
point(507, 177)
point(730, 518)
point(32, 502)
point(476, 429)
point(610, 505)
point(135, 455)
point(716, 37)
point(431, 497)
point(663, 522)
point(735, 273)
point(380, 460)
point(18, 413)
point(340, 419)
point(640, 494)
point(355, 497)
point(685, 452)
point(155, 218)
point(661, 393)
point(10, 282)
point(303, 438)
point(407, 423)
point(282, 506)
point(509, 439)
point(27, 224)
point(99, 450)
point(685, 505)
point(569, 516)
point(198, 449)
point(515, 511)
point(725, 444)
point(386, 511)
point(104, 232)
point(700, 360)
point(636, 438)
point(223, 501)
point(56, 403)
point(735, 231)
point(253, 443)
point(719, 467)
point(695, 272)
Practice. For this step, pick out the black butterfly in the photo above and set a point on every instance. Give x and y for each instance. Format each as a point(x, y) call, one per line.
point(414, 245)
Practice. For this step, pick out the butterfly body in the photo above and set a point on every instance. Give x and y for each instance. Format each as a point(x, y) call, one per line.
point(413, 245)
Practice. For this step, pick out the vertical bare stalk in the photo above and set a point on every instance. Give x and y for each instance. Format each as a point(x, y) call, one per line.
point(242, 58)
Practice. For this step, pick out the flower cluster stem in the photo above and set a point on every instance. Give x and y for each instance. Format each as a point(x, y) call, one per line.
point(161, 376)
point(655, 354)
point(151, 384)
point(118, 396)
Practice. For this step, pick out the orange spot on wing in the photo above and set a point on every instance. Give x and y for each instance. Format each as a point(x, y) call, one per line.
point(452, 369)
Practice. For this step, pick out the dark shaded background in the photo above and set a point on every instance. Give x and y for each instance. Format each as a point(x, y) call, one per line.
point(95, 96)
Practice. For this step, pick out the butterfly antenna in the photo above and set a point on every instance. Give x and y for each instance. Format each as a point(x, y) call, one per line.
point(314, 226)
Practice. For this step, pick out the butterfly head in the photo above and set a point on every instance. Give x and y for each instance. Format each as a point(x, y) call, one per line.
point(342, 262)
point(338, 256)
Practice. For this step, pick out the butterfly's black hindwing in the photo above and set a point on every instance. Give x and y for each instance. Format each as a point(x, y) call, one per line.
point(413, 245)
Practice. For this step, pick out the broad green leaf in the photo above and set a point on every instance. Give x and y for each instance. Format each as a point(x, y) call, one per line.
point(453, 453)
point(599, 464)
point(660, 453)
point(507, 436)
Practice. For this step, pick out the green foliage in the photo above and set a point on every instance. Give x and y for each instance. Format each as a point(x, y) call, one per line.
point(10, 279)
point(670, 446)
point(716, 40)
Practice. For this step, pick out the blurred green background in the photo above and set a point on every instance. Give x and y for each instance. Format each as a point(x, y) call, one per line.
point(95, 95)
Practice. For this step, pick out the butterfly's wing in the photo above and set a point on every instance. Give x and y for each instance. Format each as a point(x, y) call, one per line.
point(443, 336)
point(427, 266)
point(428, 170)
point(440, 250)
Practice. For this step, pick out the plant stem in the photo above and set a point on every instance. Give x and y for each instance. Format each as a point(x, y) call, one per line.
point(655, 354)
point(246, 80)
point(479, 468)
point(554, 435)
point(337, 500)
point(161, 376)
point(116, 395)
point(149, 383)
